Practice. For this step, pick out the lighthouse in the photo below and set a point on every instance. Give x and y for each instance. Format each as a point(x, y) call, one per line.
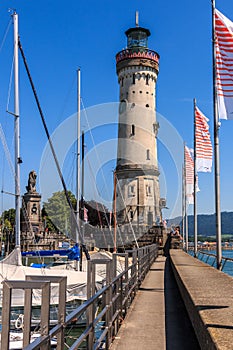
point(137, 174)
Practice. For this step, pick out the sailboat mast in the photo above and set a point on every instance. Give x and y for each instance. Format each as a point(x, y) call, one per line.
point(82, 204)
point(17, 132)
point(78, 151)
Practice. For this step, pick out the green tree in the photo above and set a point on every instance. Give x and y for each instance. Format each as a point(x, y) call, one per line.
point(8, 219)
point(57, 212)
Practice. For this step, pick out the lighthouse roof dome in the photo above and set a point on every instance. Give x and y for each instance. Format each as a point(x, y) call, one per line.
point(137, 29)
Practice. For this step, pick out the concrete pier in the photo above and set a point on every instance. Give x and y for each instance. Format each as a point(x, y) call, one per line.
point(157, 318)
point(207, 294)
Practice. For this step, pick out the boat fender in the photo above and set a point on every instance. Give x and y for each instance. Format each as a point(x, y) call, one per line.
point(19, 322)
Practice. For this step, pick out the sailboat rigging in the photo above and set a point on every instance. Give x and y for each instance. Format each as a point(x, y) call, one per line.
point(81, 239)
point(11, 267)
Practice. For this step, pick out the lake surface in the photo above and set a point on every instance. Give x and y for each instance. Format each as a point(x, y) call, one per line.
point(228, 266)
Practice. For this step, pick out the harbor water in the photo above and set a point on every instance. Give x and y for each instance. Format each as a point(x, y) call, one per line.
point(211, 260)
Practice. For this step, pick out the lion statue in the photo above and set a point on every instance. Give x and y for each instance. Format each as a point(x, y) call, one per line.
point(31, 187)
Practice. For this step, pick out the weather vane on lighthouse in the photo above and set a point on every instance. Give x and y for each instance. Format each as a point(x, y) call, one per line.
point(137, 19)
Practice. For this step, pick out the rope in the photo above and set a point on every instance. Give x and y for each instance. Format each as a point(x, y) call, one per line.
point(105, 214)
point(6, 150)
point(10, 84)
point(97, 155)
point(5, 35)
point(130, 223)
point(54, 153)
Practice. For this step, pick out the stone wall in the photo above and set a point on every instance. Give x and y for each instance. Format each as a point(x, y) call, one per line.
point(207, 295)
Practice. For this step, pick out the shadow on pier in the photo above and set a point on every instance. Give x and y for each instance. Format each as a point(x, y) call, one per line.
point(178, 328)
point(157, 318)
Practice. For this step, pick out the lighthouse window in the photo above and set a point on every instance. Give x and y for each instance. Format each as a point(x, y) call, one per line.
point(137, 38)
point(133, 130)
point(147, 105)
point(148, 154)
point(147, 79)
point(140, 92)
point(148, 191)
point(122, 81)
point(155, 128)
point(131, 214)
point(134, 78)
point(123, 105)
point(131, 191)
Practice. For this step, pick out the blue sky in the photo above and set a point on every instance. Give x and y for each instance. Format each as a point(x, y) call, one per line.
point(60, 37)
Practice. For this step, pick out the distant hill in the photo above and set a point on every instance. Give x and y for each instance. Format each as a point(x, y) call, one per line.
point(206, 224)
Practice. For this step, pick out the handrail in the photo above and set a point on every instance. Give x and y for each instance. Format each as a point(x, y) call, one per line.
point(115, 298)
point(203, 253)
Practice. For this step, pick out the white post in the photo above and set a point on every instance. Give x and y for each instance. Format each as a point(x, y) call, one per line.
point(195, 182)
point(17, 133)
point(78, 153)
point(216, 150)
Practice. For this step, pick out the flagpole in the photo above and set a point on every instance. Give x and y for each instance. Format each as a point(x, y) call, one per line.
point(185, 204)
point(115, 217)
point(216, 148)
point(195, 182)
point(183, 210)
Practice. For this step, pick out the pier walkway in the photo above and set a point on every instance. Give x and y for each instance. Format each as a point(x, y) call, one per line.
point(157, 319)
point(171, 297)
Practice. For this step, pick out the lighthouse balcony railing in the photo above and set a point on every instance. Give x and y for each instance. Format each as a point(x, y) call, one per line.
point(137, 52)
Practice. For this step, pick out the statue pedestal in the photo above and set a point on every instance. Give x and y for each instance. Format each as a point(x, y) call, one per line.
point(31, 213)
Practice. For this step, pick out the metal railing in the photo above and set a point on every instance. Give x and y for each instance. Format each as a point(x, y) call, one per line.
point(137, 53)
point(211, 259)
point(113, 299)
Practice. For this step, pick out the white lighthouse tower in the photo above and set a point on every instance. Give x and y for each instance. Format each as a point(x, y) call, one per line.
point(137, 174)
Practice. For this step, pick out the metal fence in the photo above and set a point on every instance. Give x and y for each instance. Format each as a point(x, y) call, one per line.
point(104, 309)
point(211, 259)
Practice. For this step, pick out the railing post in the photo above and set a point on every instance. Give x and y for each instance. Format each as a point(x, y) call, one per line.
point(149, 258)
point(109, 303)
point(62, 312)
point(7, 295)
point(134, 268)
point(127, 281)
point(44, 321)
point(138, 267)
point(114, 264)
point(27, 317)
point(118, 305)
point(62, 281)
point(90, 292)
point(6, 314)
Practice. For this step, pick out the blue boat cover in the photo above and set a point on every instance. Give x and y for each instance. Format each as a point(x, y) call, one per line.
point(72, 253)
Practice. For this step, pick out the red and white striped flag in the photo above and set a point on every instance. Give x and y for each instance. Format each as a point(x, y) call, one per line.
point(224, 65)
point(204, 151)
point(189, 175)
